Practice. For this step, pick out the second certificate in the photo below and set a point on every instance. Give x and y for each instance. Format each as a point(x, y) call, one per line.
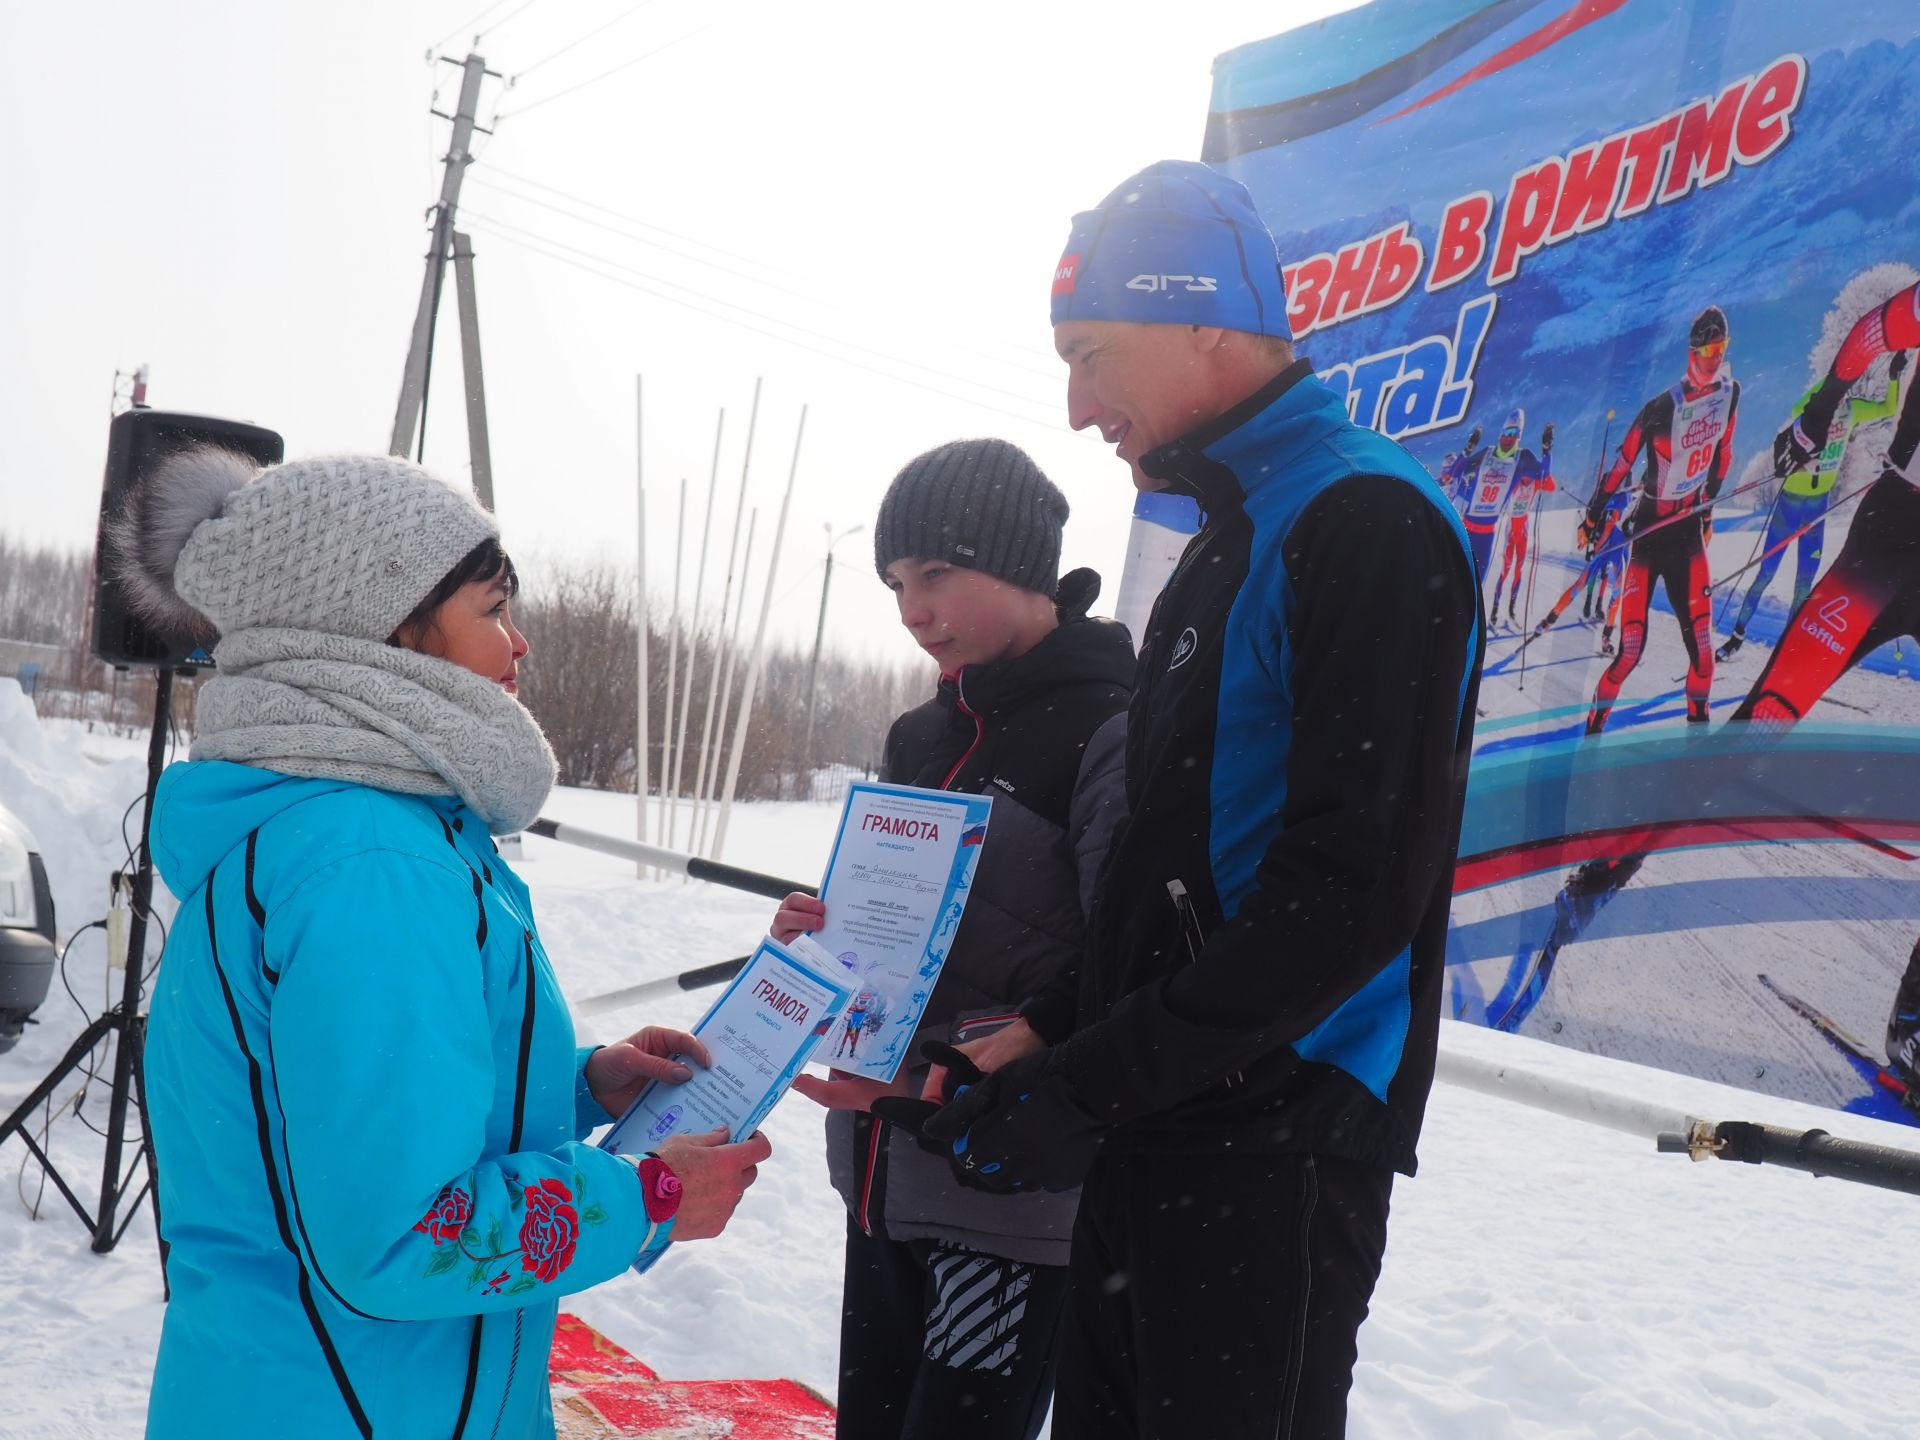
point(895, 890)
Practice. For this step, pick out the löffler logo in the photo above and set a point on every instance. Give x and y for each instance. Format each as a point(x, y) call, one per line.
point(1065, 273)
point(1830, 624)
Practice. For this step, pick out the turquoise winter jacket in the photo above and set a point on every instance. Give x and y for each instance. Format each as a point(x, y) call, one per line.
point(368, 1112)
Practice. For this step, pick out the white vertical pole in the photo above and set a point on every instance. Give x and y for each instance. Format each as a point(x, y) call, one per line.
point(711, 789)
point(693, 626)
point(759, 647)
point(673, 666)
point(703, 775)
point(641, 767)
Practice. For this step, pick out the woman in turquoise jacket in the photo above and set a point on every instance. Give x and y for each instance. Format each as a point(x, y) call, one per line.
point(367, 1104)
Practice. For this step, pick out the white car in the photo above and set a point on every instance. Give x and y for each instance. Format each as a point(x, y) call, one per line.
point(26, 928)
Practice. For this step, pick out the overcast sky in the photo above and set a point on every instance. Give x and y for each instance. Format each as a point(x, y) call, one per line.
point(860, 202)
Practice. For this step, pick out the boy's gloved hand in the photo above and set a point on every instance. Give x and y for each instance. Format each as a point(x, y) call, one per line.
point(1017, 1129)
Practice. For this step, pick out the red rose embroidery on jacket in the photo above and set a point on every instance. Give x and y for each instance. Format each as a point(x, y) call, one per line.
point(448, 1217)
point(548, 1232)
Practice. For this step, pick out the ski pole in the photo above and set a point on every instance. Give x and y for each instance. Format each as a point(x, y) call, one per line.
point(1533, 569)
point(1791, 536)
point(1692, 513)
point(1719, 621)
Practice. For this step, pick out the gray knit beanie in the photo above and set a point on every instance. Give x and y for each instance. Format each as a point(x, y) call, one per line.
point(343, 544)
point(983, 504)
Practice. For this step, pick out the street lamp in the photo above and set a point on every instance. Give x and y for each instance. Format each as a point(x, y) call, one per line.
point(819, 630)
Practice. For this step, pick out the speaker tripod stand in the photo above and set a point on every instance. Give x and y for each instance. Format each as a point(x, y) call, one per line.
point(123, 1021)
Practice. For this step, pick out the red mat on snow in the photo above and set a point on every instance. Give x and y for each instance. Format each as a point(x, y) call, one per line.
point(600, 1392)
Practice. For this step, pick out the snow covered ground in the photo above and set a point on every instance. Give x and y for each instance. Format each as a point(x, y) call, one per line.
point(1544, 1278)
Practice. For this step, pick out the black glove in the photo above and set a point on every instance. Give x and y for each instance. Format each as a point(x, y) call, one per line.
point(1018, 1129)
point(1897, 366)
point(911, 1113)
point(1546, 439)
point(1473, 441)
point(1794, 449)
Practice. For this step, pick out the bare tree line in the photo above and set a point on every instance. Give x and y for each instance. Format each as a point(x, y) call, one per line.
point(579, 682)
point(583, 673)
point(44, 612)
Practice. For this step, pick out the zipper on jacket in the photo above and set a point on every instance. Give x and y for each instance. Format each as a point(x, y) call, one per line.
point(979, 729)
point(526, 1045)
point(1196, 940)
point(1189, 921)
point(513, 1144)
point(875, 1130)
point(513, 1364)
point(473, 1376)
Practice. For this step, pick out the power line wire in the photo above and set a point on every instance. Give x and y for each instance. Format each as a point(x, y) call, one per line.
point(811, 299)
point(1050, 374)
point(607, 74)
point(488, 227)
point(520, 75)
point(548, 205)
point(582, 201)
point(461, 28)
point(501, 225)
point(520, 10)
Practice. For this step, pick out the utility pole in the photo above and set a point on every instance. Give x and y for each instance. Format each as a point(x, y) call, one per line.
point(819, 632)
point(413, 380)
point(641, 768)
point(479, 449)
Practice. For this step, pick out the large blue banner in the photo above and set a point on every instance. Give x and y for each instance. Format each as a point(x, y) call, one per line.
point(1587, 260)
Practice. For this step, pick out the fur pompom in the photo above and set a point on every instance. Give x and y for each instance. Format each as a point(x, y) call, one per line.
point(176, 497)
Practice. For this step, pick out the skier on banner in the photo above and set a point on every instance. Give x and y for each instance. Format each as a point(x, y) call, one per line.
point(1486, 478)
point(1528, 486)
point(1687, 435)
point(1453, 473)
point(1607, 552)
point(1869, 596)
point(1804, 496)
point(1603, 549)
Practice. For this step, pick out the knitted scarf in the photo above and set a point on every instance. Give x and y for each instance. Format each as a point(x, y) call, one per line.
point(331, 707)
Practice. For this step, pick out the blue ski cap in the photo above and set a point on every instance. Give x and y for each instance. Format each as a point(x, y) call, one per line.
point(1515, 424)
point(1177, 244)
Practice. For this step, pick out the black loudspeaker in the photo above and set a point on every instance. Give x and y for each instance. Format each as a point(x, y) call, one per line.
point(137, 441)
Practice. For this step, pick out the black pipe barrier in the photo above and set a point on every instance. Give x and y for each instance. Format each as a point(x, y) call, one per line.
point(1812, 1151)
point(772, 887)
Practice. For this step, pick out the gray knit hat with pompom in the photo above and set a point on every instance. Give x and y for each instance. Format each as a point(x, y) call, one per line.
point(342, 544)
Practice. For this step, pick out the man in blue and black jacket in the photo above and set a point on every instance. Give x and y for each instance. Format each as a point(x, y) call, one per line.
point(1245, 1059)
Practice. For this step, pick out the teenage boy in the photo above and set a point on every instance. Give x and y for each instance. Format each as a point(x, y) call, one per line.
point(1247, 1058)
point(952, 1298)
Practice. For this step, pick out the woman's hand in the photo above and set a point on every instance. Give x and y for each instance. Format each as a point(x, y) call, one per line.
point(616, 1073)
point(713, 1176)
point(847, 1092)
point(1002, 1047)
point(799, 913)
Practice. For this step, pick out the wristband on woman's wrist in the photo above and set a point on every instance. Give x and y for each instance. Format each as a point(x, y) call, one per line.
point(659, 1194)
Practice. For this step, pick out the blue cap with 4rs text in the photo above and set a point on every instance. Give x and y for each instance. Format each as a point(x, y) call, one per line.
point(1177, 244)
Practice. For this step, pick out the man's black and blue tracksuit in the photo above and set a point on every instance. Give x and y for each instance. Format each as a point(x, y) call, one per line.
point(1257, 1013)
